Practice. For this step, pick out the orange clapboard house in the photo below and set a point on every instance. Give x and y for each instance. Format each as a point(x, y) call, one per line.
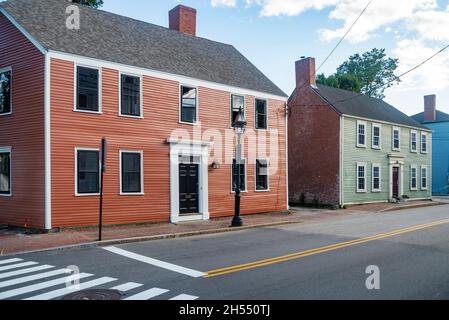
point(163, 98)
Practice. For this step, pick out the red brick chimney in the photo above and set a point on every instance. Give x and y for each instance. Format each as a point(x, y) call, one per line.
point(430, 107)
point(305, 73)
point(183, 19)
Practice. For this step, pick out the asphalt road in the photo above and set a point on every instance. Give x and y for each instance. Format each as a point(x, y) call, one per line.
point(319, 260)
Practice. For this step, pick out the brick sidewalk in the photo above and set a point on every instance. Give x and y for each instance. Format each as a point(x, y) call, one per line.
point(12, 241)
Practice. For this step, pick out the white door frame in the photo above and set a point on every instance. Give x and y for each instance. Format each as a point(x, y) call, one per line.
point(397, 162)
point(196, 149)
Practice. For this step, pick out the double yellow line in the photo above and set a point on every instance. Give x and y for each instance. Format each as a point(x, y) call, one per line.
point(302, 254)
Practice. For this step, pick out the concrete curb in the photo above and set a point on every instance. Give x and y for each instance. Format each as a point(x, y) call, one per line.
point(414, 206)
point(106, 243)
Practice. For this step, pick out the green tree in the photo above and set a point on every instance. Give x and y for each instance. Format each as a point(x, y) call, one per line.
point(90, 3)
point(370, 73)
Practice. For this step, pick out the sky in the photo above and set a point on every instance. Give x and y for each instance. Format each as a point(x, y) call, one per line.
point(273, 34)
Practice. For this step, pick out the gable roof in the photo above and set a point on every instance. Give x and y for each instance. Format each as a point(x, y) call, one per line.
point(441, 117)
point(123, 40)
point(353, 104)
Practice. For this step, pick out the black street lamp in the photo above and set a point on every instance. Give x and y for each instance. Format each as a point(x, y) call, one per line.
point(239, 127)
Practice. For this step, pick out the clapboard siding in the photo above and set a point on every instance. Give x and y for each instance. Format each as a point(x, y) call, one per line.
point(23, 130)
point(72, 129)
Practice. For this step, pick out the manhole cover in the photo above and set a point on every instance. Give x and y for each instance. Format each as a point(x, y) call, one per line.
point(94, 295)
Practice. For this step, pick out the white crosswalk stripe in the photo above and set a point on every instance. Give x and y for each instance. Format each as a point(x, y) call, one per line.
point(15, 273)
point(39, 286)
point(10, 261)
point(24, 271)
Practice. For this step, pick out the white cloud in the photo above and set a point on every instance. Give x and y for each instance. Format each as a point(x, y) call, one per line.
point(223, 3)
point(431, 25)
point(290, 7)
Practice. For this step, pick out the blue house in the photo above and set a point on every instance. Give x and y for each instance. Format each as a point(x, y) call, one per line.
point(438, 122)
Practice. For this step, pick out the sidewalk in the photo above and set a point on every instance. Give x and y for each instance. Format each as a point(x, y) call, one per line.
point(13, 241)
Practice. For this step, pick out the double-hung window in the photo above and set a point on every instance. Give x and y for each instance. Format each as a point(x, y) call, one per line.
point(413, 141)
point(424, 143)
point(5, 171)
point(237, 103)
point(130, 92)
point(5, 91)
point(87, 89)
point(377, 173)
point(396, 143)
point(131, 180)
point(87, 172)
point(361, 134)
point(261, 114)
point(413, 178)
point(188, 104)
point(424, 178)
point(242, 174)
point(361, 177)
point(377, 140)
point(262, 175)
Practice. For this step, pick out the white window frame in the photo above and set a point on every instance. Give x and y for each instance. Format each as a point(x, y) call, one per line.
point(359, 123)
point(8, 150)
point(100, 88)
point(392, 138)
point(11, 90)
point(76, 172)
point(413, 132)
point(268, 174)
point(246, 175)
point(413, 167)
point(364, 165)
point(120, 94)
point(197, 107)
point(230, 108)
point(424, 134)
point(379, 147)
point(142, 191)
point(255, 115)
point(427, 177)
point(376, 165)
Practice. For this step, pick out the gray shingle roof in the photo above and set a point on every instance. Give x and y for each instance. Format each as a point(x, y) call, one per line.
point(350, 103)
point(123, 40)
point(441, 117)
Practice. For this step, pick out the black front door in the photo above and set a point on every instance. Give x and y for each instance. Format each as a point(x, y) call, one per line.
point(395, 182)
point(188, 188)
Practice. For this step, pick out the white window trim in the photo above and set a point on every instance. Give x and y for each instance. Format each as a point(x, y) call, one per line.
point(392, 138)
point(8, 150)
point(267, 115)
point(427, 177)
point(427, 143)
point(197, 107)
point(142, 192)
point(376, 125)
point(76, 172)
point(230, 108)
point(255, 175)
point(361, 164)
point(376, 165)
point(11, 90)
point(120, 95)
point(359, 123)
point(246, 175)
point(411, 177)
point(412, 132)
point(100, 89)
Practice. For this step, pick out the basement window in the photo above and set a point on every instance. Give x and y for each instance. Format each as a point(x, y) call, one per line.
point(5, 91)
point(88, 171)
point(5, 171)
point(87, 89)
point(130, 104)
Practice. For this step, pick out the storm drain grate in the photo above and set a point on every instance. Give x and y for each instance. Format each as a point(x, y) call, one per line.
point(94, 295)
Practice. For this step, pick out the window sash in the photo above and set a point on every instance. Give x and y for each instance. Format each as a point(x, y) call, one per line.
point(396, 139)
point(130, 96)
point(361, 178)
point(131, 172)
point(5, 92)
point(237, 102)
point(424, 143)
point(424, 178)
point(88, 172)
point(261, 114)
point(361, 134)
point(188, 104)
point(376, 178)
point(414, 141)
point(414, 178)
point(242, 175)
point(262, 175)
point(376, 136)
point(5, 173)
point(87, 95)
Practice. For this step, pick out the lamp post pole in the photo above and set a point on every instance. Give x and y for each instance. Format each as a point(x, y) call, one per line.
point(239, 126)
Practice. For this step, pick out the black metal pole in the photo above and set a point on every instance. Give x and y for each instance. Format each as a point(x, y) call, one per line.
point(103, 155)
point(237, 221)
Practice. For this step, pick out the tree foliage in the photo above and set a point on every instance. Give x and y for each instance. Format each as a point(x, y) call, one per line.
point(370, 73)
point(90, 3)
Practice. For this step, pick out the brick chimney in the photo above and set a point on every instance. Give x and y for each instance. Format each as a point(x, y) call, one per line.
point(183, 19)
point(305, 73)
point(430, 107)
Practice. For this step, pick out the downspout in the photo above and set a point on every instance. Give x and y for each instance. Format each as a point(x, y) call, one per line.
point(287, 111)
point(342, 141)
point(47, 147)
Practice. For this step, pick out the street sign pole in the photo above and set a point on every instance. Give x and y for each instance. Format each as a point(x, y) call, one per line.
point(103, 170)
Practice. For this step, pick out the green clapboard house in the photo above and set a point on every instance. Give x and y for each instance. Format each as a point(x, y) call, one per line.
point(347, 148)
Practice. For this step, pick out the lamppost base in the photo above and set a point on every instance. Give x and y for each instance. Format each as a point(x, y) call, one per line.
point(237, 223)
